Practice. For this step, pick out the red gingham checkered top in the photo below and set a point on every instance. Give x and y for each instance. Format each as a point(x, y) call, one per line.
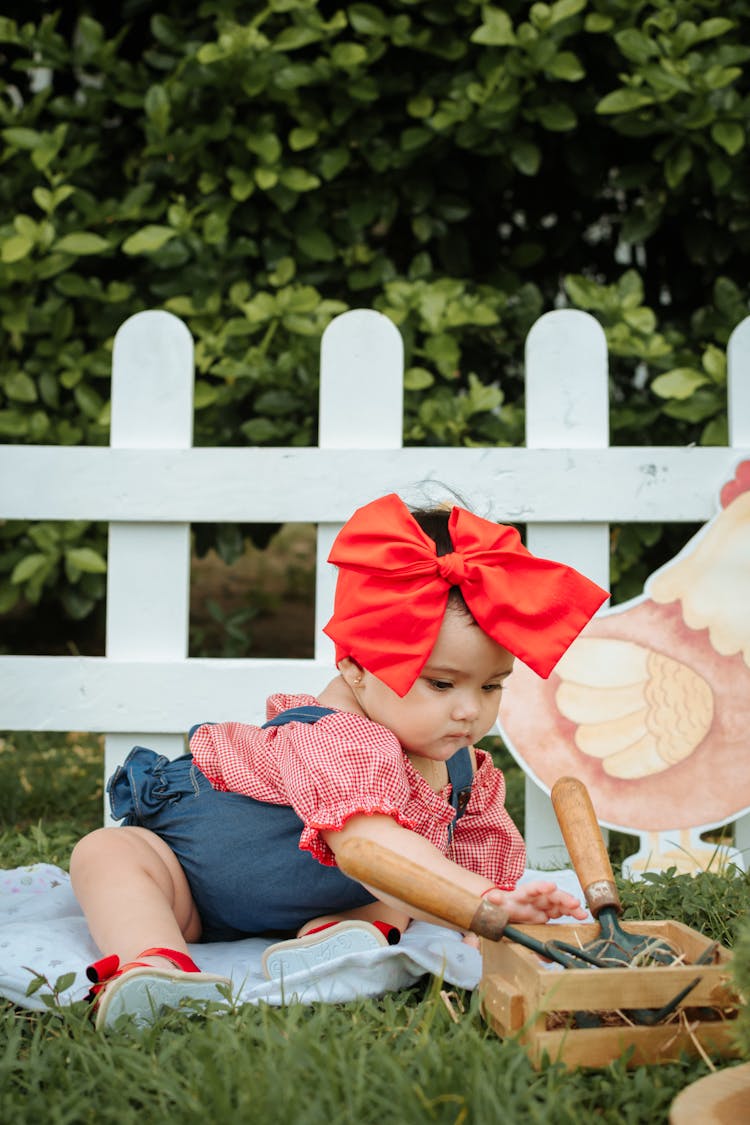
point(343, 765)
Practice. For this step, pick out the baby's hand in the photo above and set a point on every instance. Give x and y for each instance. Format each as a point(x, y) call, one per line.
point(537, 901)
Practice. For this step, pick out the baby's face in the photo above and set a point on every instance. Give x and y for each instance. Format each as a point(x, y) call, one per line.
point(456, 699)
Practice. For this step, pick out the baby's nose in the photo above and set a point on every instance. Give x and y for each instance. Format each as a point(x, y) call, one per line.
point(466, 706)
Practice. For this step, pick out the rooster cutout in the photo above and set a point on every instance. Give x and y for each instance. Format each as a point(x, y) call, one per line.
point(650, 706)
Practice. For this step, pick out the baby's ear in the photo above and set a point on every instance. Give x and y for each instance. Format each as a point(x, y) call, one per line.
point(350, 670)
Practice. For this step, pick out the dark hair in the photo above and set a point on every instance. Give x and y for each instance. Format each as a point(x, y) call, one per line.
point(434, 522)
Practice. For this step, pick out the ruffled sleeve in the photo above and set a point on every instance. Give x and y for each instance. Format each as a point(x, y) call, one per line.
point(341, 766)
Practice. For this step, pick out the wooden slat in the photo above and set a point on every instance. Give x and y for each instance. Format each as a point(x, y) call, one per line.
point(629, 484)
point(105, 694)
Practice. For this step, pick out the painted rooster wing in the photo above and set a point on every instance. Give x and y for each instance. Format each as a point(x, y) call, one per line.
point(635, 709)
point(650, 706)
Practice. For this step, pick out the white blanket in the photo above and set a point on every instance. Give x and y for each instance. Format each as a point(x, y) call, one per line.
point(44, 934)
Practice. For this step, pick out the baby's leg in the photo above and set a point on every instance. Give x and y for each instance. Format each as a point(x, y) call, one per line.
point(372, 912)
point(133, 892)
point(310, 950)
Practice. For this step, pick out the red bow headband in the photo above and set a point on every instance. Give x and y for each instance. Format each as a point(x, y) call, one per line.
point(393, 588)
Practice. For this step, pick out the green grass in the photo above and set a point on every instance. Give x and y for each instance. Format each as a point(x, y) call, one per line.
point(406, 1057)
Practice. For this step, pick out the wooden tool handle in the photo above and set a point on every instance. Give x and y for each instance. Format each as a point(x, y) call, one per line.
point(585, 843)
point(385, 870)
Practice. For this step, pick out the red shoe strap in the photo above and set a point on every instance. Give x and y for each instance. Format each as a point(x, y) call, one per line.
point(179, 960)
point(104, 969)
point(101, 972)
point(392, 934)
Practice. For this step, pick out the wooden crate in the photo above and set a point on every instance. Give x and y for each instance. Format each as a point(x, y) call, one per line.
point(524, 996)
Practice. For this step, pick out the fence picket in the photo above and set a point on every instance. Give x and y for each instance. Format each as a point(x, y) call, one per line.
point(148, 581)
point(567, 406)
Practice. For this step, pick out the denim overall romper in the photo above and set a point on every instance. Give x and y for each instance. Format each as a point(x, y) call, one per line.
point(241, 857)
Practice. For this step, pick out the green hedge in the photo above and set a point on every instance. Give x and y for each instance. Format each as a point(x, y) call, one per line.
point(258, 168)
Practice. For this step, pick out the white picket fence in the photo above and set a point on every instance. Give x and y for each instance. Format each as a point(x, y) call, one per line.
point(566, 485)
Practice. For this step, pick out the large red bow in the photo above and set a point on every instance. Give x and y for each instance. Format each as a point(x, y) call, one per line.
point(393, 588)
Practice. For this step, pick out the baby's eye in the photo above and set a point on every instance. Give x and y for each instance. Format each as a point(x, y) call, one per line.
point(493, 687)
point(440, 685)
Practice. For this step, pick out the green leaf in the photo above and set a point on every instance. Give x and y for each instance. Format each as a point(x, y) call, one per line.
point(292, 38)
point(417, 378)
point(715, 432)
point(720, 173)
point(260, 431)
point(34, 985)
point(13, 424)
point(284, 272)
point(348, 55)
point(567, 66)
point(148, 239)
point(157, 107)
point(48, 201)
point(715, 363)
point(20, 387)
point(318, 245)
point(86, 559)
point(730, 135)
point(260, 309)
point(266, 178)
point(266, 146)
point(583, 292)
point(718, 77)
point(564, 9)
point(299, 179)
point(81, 242)
point(677, 165)
point(367, 19)
point(420, 106)
point(482, 397)
point(526, 156)
point(558, 118)
point(28, 567)
point(698, 408)
point(415, 137)
point(88, 400)
point(624, 100)
point(300, 138)
point(9, 596)
point(204, 394)
point(21, 137)
point(678, 383)
point(642, 320)
point(597, 24)
point(496, 29)
point(711, 28)
point(15, 248)
point(243, 184)
point(64, 982)
point(333, 162)
point(635, 45)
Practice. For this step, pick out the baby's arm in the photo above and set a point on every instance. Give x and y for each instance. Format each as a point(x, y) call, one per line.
point(531, 902)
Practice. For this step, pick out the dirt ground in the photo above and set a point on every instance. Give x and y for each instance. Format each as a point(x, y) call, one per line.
point(261, 605)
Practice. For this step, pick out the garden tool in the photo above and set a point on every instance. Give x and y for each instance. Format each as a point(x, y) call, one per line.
point(614, 947)
point(393, 874)
point(588, 854)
